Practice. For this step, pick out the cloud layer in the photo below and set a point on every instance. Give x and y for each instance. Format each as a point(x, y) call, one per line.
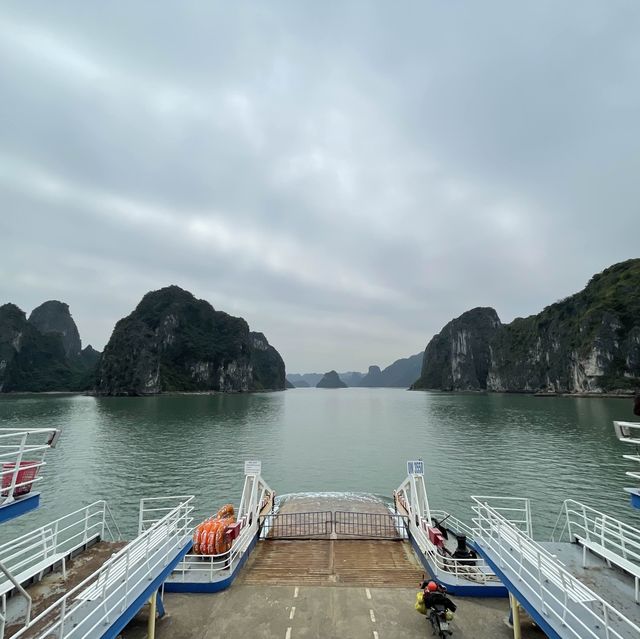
point(346, 177)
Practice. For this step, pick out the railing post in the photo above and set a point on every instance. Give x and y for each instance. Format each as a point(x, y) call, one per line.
point(16, 469)
point(141, 517)
point(104, 519)
point(63, 613)
point(586, 523)
point(55, 536)
point(126, 578)
point(541, 588)
point(86, 525)
point(566, 595)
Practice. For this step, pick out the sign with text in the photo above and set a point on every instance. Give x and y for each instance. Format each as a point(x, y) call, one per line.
point(252, 467)
point(415, 467)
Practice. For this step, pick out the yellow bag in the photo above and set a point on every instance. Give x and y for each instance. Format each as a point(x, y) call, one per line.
point(420, 607)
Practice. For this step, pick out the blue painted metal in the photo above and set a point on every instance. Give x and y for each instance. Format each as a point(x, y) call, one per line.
point(212, 586)
point(116, 628)
point(160, 605)
point(472, 590)
point(535, 614)
point(19, 507)
point(635, 496)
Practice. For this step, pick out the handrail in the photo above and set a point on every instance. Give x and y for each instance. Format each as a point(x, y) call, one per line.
point(552, 585)
point(59, 536)
point(21, 590)
point(595, 526)
point(214, 564)
point(22, 454)
point(173, 528)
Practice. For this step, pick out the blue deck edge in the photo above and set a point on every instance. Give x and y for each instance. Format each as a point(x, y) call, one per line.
point(118, 625)
point(499, 590)
point(212, 586)
point(635, 496)
point(20, 506)
point(533, 612)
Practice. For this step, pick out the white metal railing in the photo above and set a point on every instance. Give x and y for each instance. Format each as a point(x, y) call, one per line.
point(593, 526)
point(36, 550)
point(21, 458)
point(515, 510)
point(32, 553)
point(554, 591)
point(93, 604)
point(153, 509)
point(476, 570)
point(214, 567)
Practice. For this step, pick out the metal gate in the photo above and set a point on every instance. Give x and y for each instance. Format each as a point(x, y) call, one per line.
point(333, 525)
point(370, 525)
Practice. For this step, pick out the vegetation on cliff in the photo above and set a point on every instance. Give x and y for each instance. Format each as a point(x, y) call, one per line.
point(35, 361)
point(587, 342)
point(175, 342)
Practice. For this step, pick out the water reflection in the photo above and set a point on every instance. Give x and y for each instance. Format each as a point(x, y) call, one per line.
point(355, 440)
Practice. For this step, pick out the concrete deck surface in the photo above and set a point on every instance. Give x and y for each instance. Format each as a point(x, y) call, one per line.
point(300, 612)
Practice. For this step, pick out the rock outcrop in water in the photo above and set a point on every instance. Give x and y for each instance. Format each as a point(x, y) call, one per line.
point(586, 343)
point(373, 377)
point(54, 317)
point(32, 360)
point(331, 380)
point(175, 342)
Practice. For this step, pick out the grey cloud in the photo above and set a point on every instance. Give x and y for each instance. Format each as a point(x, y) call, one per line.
point(346, 176)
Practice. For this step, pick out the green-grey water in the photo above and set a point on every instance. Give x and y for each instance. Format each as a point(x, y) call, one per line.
point(122, 449)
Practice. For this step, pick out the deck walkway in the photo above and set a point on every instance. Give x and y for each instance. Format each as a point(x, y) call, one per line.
point(327, 562)
point(311, 612)
point(53, 585)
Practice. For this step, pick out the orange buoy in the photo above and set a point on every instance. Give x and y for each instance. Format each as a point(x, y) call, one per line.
point(225, 512)
point(222, 543)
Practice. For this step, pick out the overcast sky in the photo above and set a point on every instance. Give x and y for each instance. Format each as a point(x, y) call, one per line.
point(346, 176)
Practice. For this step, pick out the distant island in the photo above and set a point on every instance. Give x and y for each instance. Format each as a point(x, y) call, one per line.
point(331, 380)
point(401, 374)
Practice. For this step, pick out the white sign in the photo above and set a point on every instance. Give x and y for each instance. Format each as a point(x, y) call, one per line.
point(415, 467)
point(252, 467)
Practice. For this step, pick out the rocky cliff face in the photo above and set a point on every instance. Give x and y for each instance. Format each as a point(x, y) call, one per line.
point(588, 342)
point(29, 360)
point(459, 357)
point(175, 342)
point(54, 317)
point(331, 380)
point(43, 353)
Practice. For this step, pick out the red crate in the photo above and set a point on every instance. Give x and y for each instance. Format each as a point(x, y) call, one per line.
point(27, 473)
point(233, 531)
point(435, 537)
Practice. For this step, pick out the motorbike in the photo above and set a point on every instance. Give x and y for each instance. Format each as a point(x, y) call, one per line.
point(440, 616)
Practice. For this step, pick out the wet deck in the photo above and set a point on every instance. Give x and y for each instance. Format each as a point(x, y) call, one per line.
point(53, 585)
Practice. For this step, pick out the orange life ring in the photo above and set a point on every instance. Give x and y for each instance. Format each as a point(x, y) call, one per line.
point(226, 511)
point(222, 543)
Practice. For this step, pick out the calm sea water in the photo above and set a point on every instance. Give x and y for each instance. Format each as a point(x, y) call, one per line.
point(121, 449)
